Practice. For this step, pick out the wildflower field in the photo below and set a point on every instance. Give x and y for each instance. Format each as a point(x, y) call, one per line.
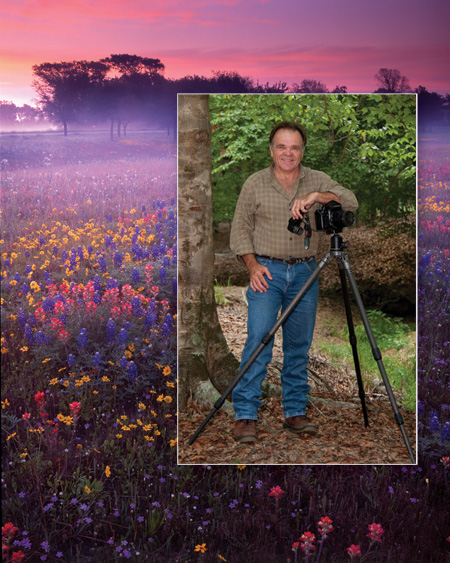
point(88, 308)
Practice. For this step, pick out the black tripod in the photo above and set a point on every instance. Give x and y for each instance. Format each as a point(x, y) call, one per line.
point(338, 251)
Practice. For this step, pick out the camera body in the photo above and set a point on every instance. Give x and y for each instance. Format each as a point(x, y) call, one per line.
point(331, 218)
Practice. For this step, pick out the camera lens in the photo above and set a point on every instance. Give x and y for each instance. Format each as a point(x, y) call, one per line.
point(348, 218)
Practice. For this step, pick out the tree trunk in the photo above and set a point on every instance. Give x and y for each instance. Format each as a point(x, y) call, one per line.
point(202, 349)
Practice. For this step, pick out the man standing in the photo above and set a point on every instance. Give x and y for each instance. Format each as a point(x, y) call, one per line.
point(279, 263)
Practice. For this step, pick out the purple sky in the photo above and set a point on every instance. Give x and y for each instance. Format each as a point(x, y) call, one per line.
point(341, 42)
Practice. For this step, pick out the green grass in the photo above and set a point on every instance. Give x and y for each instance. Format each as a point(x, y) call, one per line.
point(395, 340)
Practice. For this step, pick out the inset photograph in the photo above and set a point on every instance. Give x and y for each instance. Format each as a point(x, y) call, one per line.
point(297, 279)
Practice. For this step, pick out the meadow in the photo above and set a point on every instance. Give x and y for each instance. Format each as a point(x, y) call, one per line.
point(89, 431)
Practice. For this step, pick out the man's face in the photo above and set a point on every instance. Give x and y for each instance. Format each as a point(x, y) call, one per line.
point(287, 150)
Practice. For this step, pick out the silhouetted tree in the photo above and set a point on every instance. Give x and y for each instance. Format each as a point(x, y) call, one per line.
point(277, 88)
point(391, 81)
point(309, 86)
point(339, 90)
point(63, 87)
point(132, 92)
point(129, 65)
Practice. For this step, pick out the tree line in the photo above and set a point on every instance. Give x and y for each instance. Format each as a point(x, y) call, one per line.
point(123, 89)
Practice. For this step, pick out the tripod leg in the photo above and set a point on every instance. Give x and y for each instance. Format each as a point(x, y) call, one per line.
point(353, 342)
point(265, 340)
point(377, 355)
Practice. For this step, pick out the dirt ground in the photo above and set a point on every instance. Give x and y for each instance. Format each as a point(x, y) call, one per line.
point(334, 405)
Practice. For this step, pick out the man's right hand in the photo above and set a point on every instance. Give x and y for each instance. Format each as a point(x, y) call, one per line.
point(258, 272)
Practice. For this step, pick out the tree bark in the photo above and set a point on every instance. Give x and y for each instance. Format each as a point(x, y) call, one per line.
point(202, 349)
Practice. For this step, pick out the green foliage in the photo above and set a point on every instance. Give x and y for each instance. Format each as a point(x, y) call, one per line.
point(393, 338)
point(365, 142)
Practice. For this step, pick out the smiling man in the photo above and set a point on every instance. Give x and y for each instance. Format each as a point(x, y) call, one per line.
point(279, 263)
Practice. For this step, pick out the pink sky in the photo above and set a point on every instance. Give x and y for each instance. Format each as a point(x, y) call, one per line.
point(339, 42)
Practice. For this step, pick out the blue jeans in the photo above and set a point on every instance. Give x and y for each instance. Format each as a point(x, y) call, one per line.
point(298, 331)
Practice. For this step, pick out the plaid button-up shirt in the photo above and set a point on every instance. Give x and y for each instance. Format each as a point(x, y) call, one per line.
point(264, 209)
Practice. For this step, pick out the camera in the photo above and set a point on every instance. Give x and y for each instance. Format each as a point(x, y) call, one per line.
point(295, 226)
point(331, 218)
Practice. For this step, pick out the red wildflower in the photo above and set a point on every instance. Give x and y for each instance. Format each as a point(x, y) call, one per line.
point(354, 551)
point(75, 408)
point(295, 546)
point(17, 556)
point(40, 398)
point(308, 539)
point(8, 530)
point(26, 416)
point(276, 492)
point(325, 526)
point(375, 532)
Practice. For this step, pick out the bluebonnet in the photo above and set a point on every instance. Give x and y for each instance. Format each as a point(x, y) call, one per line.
point(123, 362)
point(434, 424)
point(136, 307)
point(111, 283)
point(82, 339)
point(102, 263)
point(97, 283)
point(22, 318)
point(110, 331)
point(150, 314)
point(97, 359)
point(167, 326)
point(162, 274)
point(48, 304)
point(25, 288)
point(29, 336)
point(117, 259)
point(28, 269)
point(132, 371)
point(40, 338)
point(123, 336)
point(17, 277)
point(135, 275)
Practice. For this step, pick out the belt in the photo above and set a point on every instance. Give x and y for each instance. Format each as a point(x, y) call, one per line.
point(288, 260)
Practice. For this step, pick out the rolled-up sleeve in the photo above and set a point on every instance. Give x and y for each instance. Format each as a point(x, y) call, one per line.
point(347, 197)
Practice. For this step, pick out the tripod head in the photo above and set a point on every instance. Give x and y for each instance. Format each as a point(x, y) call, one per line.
point(337, 244)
